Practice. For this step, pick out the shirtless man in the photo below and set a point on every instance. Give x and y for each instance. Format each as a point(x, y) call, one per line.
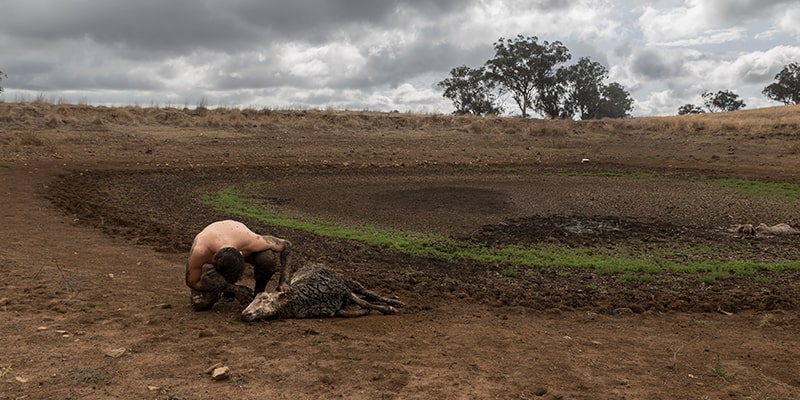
point(216, 263)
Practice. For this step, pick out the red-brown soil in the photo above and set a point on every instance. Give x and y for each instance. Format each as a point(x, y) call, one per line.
point(99, 212)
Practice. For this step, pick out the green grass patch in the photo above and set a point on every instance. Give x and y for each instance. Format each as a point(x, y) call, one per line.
point(641, 278)
point(603, 261)
point(784, 191)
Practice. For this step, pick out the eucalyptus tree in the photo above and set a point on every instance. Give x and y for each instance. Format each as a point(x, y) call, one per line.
point(528, 71)
point(470, 91)
point(722, 100)
point(786, 87)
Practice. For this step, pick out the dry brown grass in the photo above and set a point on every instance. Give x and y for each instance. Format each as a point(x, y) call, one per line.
point(783, 121)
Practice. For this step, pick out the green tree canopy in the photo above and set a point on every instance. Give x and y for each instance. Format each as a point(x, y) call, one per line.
point(615, 102)
point(588, 95)
point(526, 69)
point(786, 87)
point(690, 109)
point(585, 80)
point(723, 100)
point(470, 92)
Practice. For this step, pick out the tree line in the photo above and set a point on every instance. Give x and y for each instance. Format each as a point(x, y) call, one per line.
point(535, 75)
point(785, 89)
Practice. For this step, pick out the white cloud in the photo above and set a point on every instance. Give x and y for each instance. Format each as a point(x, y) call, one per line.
point(790, 22)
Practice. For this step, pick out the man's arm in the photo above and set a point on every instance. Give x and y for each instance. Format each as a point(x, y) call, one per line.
point(211, 281)
point(286, 253)
point(194, 268)
point(284, 248)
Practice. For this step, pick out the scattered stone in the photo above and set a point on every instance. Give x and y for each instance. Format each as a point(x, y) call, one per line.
point(116, 353)
point(164, 306)
point(540, 391)
point(21, 379)
point(220, 373)
point(212, 368)
point(41, 328)
point(153, 388)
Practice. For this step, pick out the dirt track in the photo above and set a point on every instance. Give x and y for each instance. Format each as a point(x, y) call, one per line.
point(96, 226)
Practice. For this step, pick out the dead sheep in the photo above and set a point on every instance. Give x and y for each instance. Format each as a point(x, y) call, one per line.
point(748, 230)
point(317, 291)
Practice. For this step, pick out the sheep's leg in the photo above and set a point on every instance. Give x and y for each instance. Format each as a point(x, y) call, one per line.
point(376, 297)
point(353, 313)
point(370, 306)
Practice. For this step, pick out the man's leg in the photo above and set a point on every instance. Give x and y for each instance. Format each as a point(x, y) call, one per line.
point(264, 266)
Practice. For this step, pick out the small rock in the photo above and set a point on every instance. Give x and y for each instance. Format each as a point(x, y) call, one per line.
point(220, 373)
point(116, 353)
point(212, 368)
point(164, 306)
point(205, 333)
point(153, 388)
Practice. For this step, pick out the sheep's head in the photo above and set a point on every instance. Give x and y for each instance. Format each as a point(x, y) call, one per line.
point(265, 306)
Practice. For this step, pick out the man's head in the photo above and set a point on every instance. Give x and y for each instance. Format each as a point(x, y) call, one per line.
point(229, 263)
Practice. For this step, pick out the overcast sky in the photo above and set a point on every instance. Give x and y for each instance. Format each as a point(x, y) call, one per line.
point(378, 55)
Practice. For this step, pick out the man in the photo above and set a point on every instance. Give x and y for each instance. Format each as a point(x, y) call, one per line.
point(216, 263)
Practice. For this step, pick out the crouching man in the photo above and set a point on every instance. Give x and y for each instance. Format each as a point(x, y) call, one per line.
point(217, 261)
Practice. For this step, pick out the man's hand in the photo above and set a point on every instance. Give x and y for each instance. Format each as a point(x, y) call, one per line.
point(242, 294)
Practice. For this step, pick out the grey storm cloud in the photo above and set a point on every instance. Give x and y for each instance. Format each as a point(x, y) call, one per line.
point(652, 64)
point(183, 26)
point(375, 54)
point(738, 10)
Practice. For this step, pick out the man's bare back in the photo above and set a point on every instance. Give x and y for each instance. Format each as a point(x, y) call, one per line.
point(234, 234)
